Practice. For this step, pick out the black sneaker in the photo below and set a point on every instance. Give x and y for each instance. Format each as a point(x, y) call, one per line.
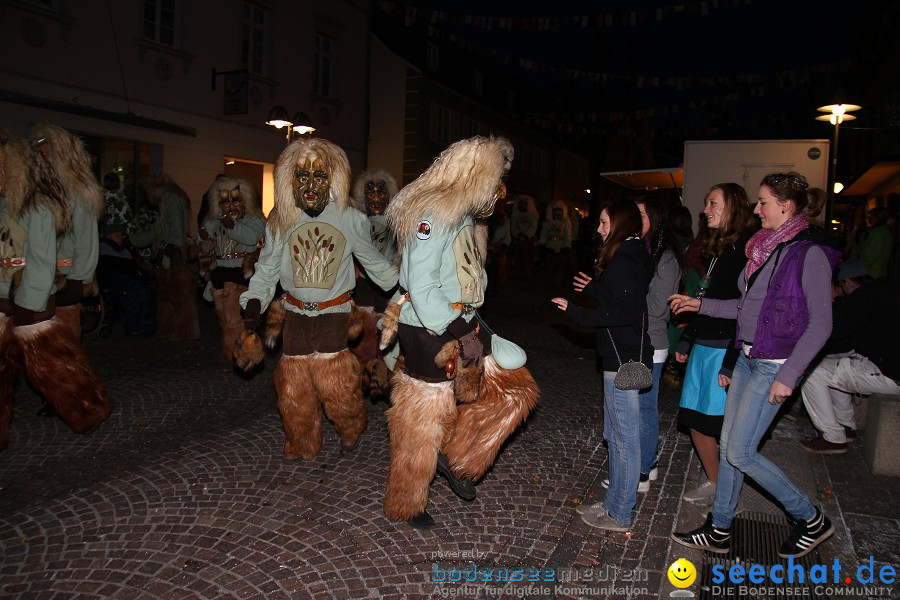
point(806, 535)
point(463, 488)
point(709, 537)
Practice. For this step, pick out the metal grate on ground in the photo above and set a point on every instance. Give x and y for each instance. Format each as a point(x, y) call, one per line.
point(755, 540)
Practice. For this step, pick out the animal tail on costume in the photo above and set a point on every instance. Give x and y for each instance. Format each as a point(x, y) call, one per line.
point(301, 412)
point(275, 316)
point(228, 309)
point(58, 368)
point(336, 379)
point(466, 380)
point(248, 351)
point(505, 399)
point(248, 265)
point(419, 421)
point(9, 368)
point(364, 344)
point(389, 325)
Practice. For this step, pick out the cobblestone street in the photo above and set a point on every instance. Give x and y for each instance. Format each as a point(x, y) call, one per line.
point(183, 492)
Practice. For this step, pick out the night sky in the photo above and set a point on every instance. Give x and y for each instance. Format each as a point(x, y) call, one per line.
point(664, 71)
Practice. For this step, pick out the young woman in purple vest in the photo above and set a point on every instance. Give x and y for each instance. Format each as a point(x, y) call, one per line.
point(783, 320)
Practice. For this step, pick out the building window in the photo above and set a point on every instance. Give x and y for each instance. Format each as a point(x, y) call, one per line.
point(477, 82)
point(162, 21)
point(432, 56)
point(444, 124)
point(254, 30)
point(540, 162)
point(325, 61)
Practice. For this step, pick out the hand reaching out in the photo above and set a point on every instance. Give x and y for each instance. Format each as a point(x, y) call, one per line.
point(580, 281)
point(562, 303)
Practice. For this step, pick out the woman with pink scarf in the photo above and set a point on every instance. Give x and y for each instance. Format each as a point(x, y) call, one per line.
point(783, 320)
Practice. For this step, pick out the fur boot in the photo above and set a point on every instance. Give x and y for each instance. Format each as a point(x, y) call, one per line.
point(301, 412)
point(71, 317)
point(9, 369)
point(58, 368)
point(176, 304)
point(419, 420)
point(336, 379)
point(505, 399)
point(228, 309)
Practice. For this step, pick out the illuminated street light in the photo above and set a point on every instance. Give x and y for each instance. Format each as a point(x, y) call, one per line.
point(838, 113)
point(300, 123)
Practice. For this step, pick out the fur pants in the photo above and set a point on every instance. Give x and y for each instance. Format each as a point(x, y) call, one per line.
point(176, 304)
point(424, 419)
point(228, 310)
point(307, 384)
point(71, 316)
point(58, 368)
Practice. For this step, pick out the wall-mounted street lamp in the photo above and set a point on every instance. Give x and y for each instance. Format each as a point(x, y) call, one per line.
point(279, 118)
point(837, 114)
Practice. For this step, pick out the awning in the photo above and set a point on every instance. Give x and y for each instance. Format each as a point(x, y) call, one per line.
point(650, 179)
point(876, 176)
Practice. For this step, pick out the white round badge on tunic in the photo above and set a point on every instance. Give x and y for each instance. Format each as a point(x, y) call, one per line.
point(423, 231)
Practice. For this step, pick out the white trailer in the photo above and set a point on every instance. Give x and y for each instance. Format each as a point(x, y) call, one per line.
point(745, 162)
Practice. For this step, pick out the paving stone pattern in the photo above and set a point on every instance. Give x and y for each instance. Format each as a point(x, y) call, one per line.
point(183, 492)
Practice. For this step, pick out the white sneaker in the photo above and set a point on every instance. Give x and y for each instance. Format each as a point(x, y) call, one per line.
point(702, 493)
point(654, 473)
point(643, 483)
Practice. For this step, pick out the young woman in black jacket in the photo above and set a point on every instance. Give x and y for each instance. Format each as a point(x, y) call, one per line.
point(620, 288)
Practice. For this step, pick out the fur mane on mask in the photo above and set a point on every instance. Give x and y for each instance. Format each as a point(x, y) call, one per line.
point(531, 210)
point(548, 212)
point(358, 197)
point(300, 151)
point(461, 181)
point(72, 164)
point(248, 195)
point(31, 183)
point(157, 185)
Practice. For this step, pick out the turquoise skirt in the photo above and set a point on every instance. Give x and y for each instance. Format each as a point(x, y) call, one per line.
point(700, 390)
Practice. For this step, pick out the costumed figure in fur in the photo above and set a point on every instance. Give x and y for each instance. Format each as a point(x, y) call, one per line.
point(524, 224)
point(79, 248)
point(452, 405)
point(233, 229)
point(176, 300)
point(34, 218)
point(556, 242)
point(372, 192)
point(311, 239)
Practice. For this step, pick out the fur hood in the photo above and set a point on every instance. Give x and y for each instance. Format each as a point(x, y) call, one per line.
point(31, 183)
point(72, 164)
point(222, 185)
point(531, 210)
point(358, 197)
point(462, 181)
point(548, 212)
point(299, 151)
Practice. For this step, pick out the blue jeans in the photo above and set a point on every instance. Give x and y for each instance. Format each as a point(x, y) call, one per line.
point(621, 415)
point(650, 420)
point(748, 415)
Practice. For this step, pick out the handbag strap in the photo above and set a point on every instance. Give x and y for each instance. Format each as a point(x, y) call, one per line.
point(616, 350)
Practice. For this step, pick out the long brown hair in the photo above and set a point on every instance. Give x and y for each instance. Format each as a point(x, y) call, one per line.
point(624, 222)
point(737, 219)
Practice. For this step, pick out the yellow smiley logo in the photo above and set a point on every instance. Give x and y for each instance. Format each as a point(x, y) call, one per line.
point(682, 573)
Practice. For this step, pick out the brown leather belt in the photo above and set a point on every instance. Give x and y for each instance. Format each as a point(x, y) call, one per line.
point(20, 261)
point(342, 299)
point(465, 308)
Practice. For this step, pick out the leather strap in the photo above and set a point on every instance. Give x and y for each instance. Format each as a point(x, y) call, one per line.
point(342, 299)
